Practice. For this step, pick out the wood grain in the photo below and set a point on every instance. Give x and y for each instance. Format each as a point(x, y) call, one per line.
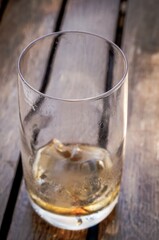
point(82, 63)
point(94, 16)
point(22, 22)
point(137, 216)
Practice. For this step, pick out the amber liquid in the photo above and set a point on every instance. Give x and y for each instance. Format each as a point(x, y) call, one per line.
point(73, 179)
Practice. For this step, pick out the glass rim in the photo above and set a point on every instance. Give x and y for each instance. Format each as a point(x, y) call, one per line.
point(97, 97)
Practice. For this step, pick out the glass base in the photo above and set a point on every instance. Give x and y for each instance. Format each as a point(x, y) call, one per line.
point(74, 222)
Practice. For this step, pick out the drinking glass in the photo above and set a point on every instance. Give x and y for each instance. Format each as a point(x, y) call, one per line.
point(73, 114)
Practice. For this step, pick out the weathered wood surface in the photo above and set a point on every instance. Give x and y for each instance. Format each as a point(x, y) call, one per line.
point(98, 17)
point(137, 216)
point(22, 22)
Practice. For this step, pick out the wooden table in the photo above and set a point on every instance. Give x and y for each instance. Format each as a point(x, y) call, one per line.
point(134, 26)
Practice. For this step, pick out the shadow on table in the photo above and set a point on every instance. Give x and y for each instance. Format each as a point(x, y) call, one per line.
point(43, 230)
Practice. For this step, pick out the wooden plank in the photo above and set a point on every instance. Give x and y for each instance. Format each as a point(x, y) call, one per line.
point(22, 22)
point(138, 210)
point(98, 17)
point(86, 68)
point(94, 16)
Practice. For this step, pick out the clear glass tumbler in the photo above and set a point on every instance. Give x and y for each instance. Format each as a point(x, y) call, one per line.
point(73, 114)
